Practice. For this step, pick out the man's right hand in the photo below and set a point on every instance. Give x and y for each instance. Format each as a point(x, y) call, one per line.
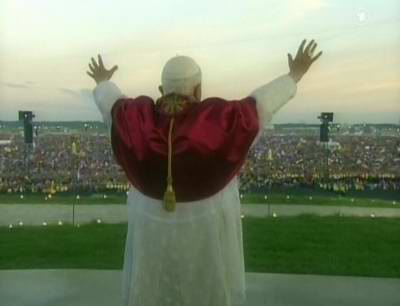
point(304, 59)
point(98, 72)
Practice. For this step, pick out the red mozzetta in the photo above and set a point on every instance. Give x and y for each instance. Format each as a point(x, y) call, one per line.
point(210, 142)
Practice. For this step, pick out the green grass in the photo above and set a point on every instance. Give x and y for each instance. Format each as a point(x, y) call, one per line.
point(305, 244)
point(323, 245)
point(60, 198)
point(330, 200)
point(272, 198)
point(91, 246)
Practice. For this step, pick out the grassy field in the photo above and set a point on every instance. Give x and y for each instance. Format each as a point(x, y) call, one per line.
point(288, 197)
point(281, 198)
point(304, 244)
point(59, 198)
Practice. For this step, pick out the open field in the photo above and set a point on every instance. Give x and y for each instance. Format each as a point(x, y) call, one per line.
point(275, 197)
point(60, 198)
point(299, 245)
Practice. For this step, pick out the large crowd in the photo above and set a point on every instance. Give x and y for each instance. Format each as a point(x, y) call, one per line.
point(84, 162)
point(349, 162)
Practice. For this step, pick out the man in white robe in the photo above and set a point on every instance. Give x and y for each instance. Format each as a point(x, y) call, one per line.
point(192, 252)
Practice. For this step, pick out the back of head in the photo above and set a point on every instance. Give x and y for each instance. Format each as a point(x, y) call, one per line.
point(180, 75)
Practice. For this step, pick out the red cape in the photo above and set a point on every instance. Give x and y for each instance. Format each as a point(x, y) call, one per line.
point(210, 143)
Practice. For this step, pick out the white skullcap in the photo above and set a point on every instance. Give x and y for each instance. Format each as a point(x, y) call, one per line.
point(181, 75)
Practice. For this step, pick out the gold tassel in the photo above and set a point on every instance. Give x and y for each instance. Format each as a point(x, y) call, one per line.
point(169, 195)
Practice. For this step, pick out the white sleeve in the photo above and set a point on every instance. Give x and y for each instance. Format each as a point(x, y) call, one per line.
point(271, 97)
point(105, 94)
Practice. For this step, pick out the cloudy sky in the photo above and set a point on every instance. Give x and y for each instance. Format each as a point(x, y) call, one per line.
point(45, 46)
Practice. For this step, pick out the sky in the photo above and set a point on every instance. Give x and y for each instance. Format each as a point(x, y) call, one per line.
point(46, 45)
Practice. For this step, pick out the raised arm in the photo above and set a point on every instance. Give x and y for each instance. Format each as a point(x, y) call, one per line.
point(272, 96)
point(106, 92)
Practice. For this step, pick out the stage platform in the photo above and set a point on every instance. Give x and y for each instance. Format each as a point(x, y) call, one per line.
point(102, 288)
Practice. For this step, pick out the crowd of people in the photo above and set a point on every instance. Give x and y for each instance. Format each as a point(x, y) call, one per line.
point(347, 162)
point(60, 163)
point(84, 162)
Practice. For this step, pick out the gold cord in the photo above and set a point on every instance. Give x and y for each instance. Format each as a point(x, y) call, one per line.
point(169, 195)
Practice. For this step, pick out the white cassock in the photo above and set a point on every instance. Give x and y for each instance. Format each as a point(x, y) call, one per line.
point(193, 256)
